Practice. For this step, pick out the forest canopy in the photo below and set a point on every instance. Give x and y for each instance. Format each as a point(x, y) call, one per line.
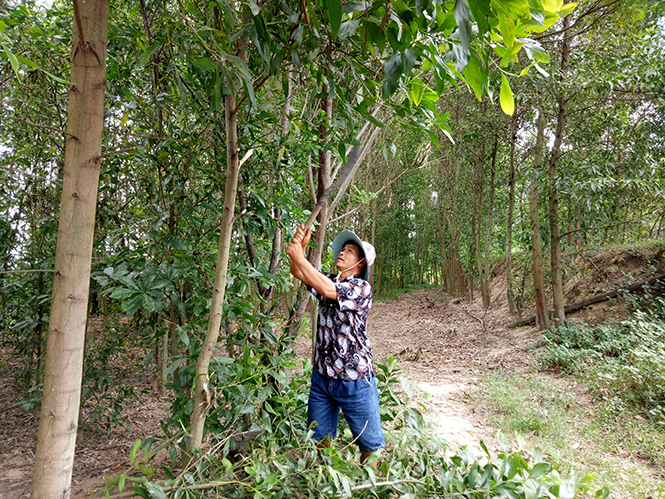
point(157, 191)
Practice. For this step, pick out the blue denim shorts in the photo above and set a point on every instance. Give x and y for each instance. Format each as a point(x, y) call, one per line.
point(358, 400)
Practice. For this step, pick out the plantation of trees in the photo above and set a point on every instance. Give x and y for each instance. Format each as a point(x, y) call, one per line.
point(157, 156)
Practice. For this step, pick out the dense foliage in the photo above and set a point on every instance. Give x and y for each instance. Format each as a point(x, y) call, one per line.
point(447, 94)
point(280, 459)
point(623, 363)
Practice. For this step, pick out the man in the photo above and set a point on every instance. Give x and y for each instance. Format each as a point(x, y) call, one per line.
point(343, 373)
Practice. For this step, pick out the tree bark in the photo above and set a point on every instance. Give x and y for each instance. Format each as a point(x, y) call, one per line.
point(488, 236)
point(509, 223)
point(201, 393)
point(61, 398)
point(542, 319)
point(477, 220)
point(555, 231)
point(318, 237)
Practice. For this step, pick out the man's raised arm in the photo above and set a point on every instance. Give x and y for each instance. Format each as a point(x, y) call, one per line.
point(305, 271)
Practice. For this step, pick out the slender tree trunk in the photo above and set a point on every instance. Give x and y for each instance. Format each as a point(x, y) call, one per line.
point(56, 439)
point(542, 319)
point(509, 223)
point(201, 392)
point(442, 244)
point(555, 231)
point(318, 237)
point(477, 220)
point(488, 235)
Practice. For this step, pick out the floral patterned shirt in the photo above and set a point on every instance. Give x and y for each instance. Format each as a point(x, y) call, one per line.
point(342, 348)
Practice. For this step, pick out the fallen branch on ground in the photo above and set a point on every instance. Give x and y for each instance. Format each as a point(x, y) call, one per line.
point(594, 299)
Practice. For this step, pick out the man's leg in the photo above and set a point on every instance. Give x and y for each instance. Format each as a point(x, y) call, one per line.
point(322, 409)
point(359, 401)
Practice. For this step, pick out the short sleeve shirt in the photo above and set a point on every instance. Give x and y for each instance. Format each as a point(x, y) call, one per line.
point(343, 350)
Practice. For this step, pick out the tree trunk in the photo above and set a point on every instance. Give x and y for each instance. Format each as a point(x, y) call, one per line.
point(318, 237)
point(442, 245)
point(488, 236)
point(477, 220)
point(555, 231)
point(201, 392)
point(509, 223)
point(61, 398)
point(542, 319)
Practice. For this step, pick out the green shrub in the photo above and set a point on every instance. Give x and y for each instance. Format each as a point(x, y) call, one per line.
point(283, 461)
point(624, 364)
point(638, 377)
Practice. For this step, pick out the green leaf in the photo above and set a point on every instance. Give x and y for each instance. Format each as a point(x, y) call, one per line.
point(510, 55)
point(155, 491)
point(417, 91)
point(121, 483)
point(13, 60)
point(141, 491)
point(566, 9)
point(27, 62)
point(506, 97)
point(507, 28)
point(461, 56)
point(175, 365)
point(223, 360)
point(540, 470)
point(476, 76)
point(567, 489)
point(392, 67)
point(463, 18)
point(247, 408)
point(552, 5)
point(204, 64)
point(147, 54)
point(409, 60)
point(134, 449)
point(537, 11)
point(433, 138)
point(348, 29)
point(120, 293)
point(535, 51)
point(334, 9)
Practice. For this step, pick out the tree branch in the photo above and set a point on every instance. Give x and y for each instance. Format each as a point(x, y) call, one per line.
point(26, 271)
point(591, 10)
point(44, 127)
point(408, 170)
point(113, 153)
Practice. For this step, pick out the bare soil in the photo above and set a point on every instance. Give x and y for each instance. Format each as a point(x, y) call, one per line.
point(443, 343)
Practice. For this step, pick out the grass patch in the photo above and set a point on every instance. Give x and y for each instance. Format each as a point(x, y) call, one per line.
point(391, 294)
point(559, 416)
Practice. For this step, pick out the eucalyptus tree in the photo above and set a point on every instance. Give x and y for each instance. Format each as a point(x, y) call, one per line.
point(188, 74)
point(56, 440)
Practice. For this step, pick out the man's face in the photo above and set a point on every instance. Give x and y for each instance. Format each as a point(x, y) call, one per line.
point(349, 257)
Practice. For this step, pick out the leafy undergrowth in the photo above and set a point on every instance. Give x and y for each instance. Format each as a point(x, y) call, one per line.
point(607, 412)
point(281, 460)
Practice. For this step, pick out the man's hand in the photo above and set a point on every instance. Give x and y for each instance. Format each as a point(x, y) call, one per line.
point(299, 242)
point(303, 270)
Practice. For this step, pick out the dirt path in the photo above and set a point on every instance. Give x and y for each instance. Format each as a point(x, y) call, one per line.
point(441, 343)
point(444, 345)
